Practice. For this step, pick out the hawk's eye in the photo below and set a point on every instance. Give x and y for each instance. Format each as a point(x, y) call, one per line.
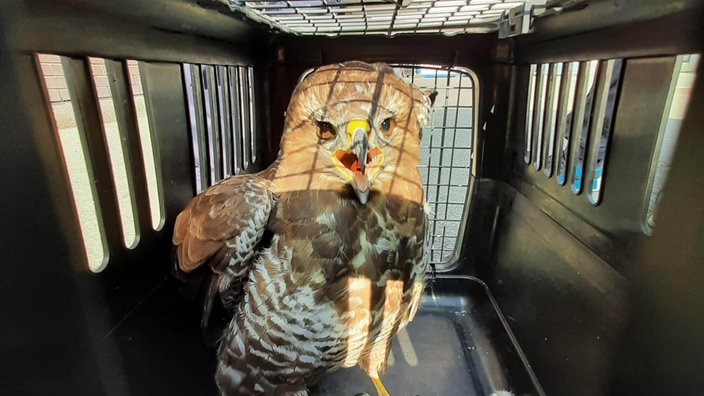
point(325, 130)
point(387, 126)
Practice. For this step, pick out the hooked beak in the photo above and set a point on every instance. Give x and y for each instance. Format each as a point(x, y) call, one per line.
point(359, 163)
point(360, 148)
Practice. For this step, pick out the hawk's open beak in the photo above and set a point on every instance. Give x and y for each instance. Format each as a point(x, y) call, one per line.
point(360, 162)
point(360, 148)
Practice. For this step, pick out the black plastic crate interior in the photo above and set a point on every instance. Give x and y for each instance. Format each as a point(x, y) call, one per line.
point(566, 232)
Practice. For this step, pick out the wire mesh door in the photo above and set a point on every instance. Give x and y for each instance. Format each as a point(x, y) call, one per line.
point(446, 152)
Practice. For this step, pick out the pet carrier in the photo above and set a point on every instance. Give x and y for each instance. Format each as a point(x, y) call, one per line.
point(559, 164)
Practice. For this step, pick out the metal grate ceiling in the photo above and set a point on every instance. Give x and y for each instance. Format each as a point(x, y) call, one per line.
point(388, 17)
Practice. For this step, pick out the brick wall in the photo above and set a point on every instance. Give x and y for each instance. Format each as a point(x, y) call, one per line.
point(59, 96)
point(56, 83)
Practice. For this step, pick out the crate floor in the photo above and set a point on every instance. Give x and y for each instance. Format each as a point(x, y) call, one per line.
point(458, 344)
point(418, 365)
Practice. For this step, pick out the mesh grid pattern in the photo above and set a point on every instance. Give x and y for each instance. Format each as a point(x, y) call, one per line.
point(446, 152)
point(345, 17)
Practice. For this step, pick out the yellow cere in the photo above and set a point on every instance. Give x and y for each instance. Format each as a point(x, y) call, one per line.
point(354, 124)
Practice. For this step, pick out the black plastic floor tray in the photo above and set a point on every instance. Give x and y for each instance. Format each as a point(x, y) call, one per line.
point(458, 345)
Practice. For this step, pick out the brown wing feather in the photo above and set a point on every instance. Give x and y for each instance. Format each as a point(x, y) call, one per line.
point(234, 210)
point(221, 227)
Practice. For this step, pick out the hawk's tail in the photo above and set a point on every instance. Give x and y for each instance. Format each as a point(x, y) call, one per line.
point(238, 373)
point(200, 287)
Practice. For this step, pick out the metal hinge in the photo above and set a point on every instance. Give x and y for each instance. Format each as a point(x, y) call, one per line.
point(519, 20)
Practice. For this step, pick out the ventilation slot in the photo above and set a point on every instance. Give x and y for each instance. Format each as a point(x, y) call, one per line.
point(604, 106)
point(683, 78)
point(564, 121)
point(74, 148)
point(530, 111)
point(582, 119)
point(96, 124)
point(551, 110)
point(221, 117)
point(566, 100)
point(539, 115)
point(144, 145)
point(115, 137)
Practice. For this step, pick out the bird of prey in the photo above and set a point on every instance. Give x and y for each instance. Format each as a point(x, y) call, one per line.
point(320, 257)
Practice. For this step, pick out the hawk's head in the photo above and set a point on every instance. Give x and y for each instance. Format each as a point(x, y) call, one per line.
point(354, 125)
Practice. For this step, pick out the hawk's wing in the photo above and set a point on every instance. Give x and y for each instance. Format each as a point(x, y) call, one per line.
point(420, 281)
point(221, 228)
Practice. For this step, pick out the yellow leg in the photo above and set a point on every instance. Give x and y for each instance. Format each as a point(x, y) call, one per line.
point(380, 388)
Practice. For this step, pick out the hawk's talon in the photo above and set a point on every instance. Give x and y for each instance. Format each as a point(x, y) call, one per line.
point(380, 388)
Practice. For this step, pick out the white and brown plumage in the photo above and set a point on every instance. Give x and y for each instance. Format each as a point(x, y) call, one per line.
point(320, 256)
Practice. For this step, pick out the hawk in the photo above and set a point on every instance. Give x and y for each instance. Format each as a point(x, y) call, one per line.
point(320, 257)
